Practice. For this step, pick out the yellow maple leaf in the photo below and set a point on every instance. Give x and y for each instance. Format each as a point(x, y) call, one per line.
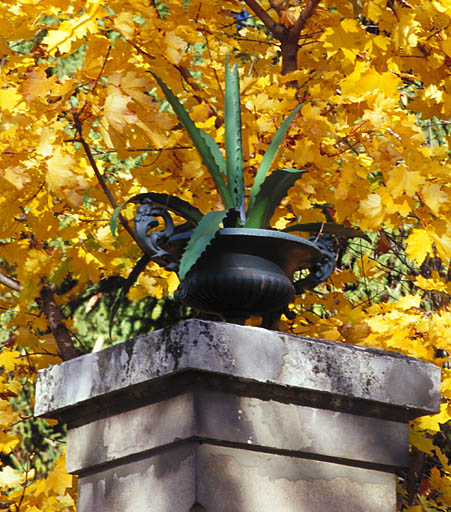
point(421, 442)
point(59, 480)
point(60, 175)
point(373, 10)
point(8, 442)
point(134, 85)
point(35, 262)
point(434, 283)
point(443, 245)
point(105, 237)
point(404, 33)
point(174, 46)
point(446, 383)
point(348, 37)
point(66, 501)
point(288, 18)
point(402, 207)
point(9, 359)
point(408, 302)
point(443, 460)
point(433, 196)
point(148, 283)
point(37, 85)
point(61, 39)
point(381, 41)
point(446, 46)
point(46, 141)
point(442, 483)
point(95, 55)
point(403, 180)
point(124, 24)
point(116, 111)
point(172, 282)
point(10, 477)
point(368, 267)
point(373, 210)
point(17, 176)
point(433, 422)
point(434, 93)
point(10, 99)
point(419, 245)
point(365, 81)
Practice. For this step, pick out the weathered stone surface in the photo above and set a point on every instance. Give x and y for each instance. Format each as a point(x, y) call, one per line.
point(163, 483)
point(222, 479)
point(248, 354)
point(223, 418)
point(240, 421)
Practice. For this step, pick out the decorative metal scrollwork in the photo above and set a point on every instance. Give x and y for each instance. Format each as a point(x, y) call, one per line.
point(323, 269)
point(153, 243)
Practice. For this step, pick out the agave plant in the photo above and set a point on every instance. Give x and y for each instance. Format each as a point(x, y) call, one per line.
point(266, 193)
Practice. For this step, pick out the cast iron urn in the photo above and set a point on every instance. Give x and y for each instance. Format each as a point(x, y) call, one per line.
point(244, 272)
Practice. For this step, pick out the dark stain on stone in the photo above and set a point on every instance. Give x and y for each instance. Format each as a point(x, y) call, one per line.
point(172, 341)
point(197, 507)
point(129, 348)
point(368, 385)
point(208, 334)
point(316, 369)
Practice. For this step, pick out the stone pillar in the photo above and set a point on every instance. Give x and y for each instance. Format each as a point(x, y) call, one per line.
point(216, 417)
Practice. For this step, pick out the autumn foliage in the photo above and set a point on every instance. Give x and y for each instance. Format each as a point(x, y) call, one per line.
point(84, 127)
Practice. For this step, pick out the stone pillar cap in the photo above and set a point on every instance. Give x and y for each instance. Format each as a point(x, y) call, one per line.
point(246, 360)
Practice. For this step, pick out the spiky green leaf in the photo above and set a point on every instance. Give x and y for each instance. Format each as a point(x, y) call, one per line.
point(270, 154)
point(233, 139)
point(200, 239)
point(273, 189)
point(205, 145)
point(174, 204)
point(215, 151)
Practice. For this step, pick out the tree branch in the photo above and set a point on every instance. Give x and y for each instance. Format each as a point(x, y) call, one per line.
point(187, 77)
point(276, 28)
point(306, 13)
point(106, 190)
point(276, 7)
point(93, 88)
point(288, 38)
point(56, 323)
point(10, 283)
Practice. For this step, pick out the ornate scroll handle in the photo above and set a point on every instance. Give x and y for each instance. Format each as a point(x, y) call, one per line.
point(145, 220)
point(323, 269)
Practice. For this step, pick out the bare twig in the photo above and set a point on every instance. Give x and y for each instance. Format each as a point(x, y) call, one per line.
point(397, 250)
point(134, 150)
point(24, 485)
point(140, 50)
point(97, 79)
point(271, 43)
point(106, 190)
point(212, 67)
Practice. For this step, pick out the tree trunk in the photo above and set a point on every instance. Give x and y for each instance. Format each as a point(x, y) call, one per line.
point(289, 56)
